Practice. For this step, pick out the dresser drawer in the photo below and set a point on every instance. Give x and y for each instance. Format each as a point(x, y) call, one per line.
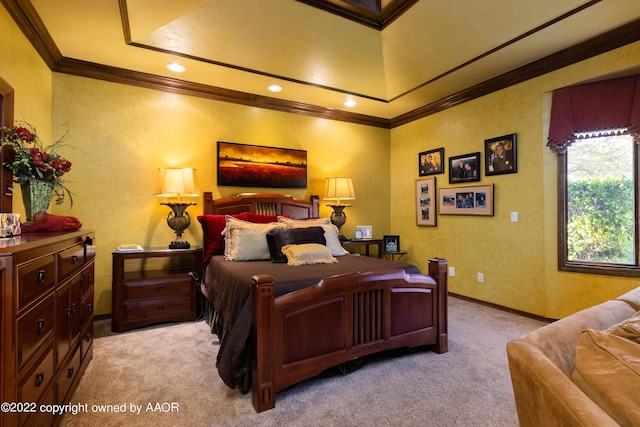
point(39, 419)
point(70, 260)
point(35, 381)
point(34, 327)
point(35, 279)
point(86, 313)
point(67, 374)
point(161, 307)
point(158, 287)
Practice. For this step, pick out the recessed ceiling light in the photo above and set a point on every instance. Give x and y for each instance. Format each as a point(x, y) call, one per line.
point(175, 67)
point(275, 88)
point(350, 103)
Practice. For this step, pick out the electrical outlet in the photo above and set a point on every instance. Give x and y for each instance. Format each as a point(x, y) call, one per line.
point(452, 271)
point(480, 278)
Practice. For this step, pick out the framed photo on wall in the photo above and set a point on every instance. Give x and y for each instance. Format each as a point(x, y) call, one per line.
point(431, 162)
point(426, 202)
point(500, 155)
point(465, 168)
point(466, 200)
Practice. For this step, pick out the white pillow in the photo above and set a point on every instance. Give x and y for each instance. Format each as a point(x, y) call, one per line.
point(247, 241)
point(331, 232)
point(308, 253)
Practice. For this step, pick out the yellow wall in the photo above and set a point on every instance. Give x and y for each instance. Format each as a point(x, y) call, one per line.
point(129, 132)
point(23, 69)
point(519, 260)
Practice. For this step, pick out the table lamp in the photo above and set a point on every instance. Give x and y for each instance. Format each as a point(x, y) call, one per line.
point(338, 189)
point(177, 183)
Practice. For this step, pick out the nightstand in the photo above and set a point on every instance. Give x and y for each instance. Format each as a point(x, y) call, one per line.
point(356, 243)
point(392, 255)
point(155, 286)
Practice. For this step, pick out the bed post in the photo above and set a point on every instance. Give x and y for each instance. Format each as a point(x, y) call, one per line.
point(315, 206)
point(207, 203)
point(438, 270)
point(262, 371)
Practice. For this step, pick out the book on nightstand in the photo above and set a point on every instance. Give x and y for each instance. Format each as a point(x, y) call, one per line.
point(130, 247)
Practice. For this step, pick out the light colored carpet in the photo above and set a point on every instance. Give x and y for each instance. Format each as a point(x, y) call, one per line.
point(175, 365)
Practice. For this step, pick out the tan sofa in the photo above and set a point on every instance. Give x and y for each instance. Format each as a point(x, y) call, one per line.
point(542, 365)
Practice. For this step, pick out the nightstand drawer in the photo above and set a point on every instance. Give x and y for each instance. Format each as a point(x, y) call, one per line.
point(33, 329)
point(158, 308)
point(157, 288)
point(34, 279)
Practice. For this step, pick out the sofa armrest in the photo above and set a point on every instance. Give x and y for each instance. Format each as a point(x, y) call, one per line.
point(545, 396)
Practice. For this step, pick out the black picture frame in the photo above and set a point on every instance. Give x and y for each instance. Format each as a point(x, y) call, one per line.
point(499, 164)
point(431, 162)
point(464, 168)
point(391, 243)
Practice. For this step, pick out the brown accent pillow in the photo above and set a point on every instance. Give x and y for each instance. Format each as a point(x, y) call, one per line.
point(280, 237)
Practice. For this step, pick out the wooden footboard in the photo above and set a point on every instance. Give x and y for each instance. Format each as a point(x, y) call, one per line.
point(300, 334)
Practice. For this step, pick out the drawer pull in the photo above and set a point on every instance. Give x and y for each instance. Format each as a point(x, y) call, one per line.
point(88, 337)
point(39, 379)
point(74, 307)
point(90, 277)
point(90, 308)
point(160, 307)
point(160, 287)
point(74, 259)
point(70, 373)
point(41, 275)
point(40, 326)
point(69, 313)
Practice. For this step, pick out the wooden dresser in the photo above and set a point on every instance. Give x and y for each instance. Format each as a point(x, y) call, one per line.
point(46, 313)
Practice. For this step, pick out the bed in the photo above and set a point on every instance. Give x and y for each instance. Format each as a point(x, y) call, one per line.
point(280, 324)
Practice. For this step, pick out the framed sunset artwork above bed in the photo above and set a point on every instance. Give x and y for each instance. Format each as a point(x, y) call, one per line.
point(242, 165)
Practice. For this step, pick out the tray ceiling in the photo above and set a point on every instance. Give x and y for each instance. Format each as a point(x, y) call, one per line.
point(430, 53)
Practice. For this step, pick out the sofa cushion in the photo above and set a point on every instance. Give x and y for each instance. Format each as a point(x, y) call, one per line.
point(607, 369)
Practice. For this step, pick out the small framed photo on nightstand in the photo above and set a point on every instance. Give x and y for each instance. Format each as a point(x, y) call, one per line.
point(364, 231)
point(391, 243)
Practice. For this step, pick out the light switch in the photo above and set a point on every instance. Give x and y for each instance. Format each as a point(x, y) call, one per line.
point(514, 216)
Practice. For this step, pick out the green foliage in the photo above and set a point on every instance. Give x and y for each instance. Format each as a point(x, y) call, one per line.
point(600, 224)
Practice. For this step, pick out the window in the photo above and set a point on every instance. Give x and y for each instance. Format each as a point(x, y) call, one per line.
point(599, 198)
point(595, 129)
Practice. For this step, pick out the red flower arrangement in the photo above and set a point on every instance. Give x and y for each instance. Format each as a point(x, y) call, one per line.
point(33, 161)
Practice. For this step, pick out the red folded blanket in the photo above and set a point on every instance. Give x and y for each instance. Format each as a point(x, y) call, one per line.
point(43, 221)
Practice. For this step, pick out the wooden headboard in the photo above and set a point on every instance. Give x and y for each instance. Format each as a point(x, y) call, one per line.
point(262, 203)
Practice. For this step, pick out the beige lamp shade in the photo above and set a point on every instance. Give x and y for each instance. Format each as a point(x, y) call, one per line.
point(177, 182)
point(339, 188)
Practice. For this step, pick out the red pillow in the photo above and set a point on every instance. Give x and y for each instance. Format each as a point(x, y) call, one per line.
point(264, 219)
point(212, 226)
